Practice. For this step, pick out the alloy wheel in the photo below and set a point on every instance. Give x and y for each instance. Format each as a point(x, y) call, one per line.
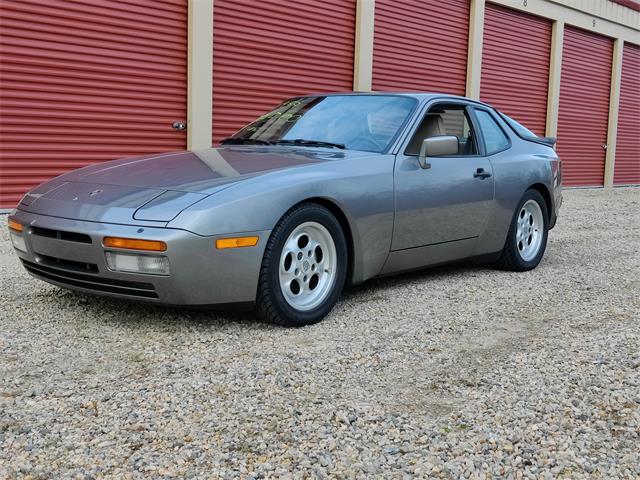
point(308, 266)
point(529, 232)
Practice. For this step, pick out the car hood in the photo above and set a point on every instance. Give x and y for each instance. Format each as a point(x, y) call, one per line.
point(200, 171)
point(157, 188)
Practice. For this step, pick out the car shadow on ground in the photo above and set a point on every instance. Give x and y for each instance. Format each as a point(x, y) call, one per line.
point(414, 276)
point(145, 313)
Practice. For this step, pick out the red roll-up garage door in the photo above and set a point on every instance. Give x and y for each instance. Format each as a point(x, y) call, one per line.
point(84, 82)
point(515, 65)
point(627, 162)
point(421, 46)
point(265, 51)
point(584, 106)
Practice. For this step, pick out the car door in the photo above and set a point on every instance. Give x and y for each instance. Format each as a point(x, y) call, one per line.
point(449, 202)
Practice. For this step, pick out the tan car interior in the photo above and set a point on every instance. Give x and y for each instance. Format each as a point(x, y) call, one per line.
point(431, 126)
point(435, 124)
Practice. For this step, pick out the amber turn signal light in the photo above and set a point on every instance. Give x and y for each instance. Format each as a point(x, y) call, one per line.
point(237, 242)
point(134, 244)
point(15, 226)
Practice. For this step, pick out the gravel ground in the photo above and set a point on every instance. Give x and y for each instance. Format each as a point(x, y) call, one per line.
point(456, 372)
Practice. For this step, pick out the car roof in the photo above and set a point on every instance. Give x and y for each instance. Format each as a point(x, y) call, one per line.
point(416, 95)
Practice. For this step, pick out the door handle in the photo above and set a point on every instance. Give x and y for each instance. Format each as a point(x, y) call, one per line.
point(480, 173)
point(180, 126)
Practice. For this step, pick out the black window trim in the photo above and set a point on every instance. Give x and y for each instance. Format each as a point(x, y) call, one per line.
point(499, 124)
point(467, 107)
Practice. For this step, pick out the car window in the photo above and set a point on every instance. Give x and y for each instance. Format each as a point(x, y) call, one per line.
point(520, 129)
point(445, 120)
point(357, 122)
point(494, 138)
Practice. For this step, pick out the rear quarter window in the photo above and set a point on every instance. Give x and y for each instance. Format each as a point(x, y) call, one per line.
point(495, 139)
point(517, 127)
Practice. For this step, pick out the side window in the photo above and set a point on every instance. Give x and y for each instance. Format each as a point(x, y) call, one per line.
point(444, 120)
point(494, 138)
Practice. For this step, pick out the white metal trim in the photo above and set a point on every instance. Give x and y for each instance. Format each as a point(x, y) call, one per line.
point(199, 74)
point(363, 46)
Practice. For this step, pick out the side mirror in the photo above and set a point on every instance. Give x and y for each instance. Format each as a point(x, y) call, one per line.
point(437, 147)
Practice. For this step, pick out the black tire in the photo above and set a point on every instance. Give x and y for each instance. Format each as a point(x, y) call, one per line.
point(271, 304)
point(510, 258)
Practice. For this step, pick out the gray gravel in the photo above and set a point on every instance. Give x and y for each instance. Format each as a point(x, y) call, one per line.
point(457, 372)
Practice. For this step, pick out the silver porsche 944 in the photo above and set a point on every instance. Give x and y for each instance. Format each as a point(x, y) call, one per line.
point(323, 191)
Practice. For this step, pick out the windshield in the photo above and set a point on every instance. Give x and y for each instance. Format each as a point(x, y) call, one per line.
point(518, 127)
point(354, 122)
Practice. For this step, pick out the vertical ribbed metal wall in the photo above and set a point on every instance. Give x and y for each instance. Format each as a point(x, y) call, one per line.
point(421, 46)
point(583, 115)
point(85, 82)
point(627, 162)
point(265, 51)
point(515, 65)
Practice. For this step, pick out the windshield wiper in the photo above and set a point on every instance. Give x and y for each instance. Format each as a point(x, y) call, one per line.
point(245, 141)
point(310, 143)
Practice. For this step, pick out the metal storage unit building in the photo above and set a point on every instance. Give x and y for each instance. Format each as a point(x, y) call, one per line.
point(627, 159)
point(584, 106)
point(515, 65)
point(421, 46)
point(261, 56)
point(84, 82)
point(87, 82)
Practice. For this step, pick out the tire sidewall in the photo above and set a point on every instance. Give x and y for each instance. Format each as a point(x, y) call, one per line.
point(511, 239)
point(303, 214)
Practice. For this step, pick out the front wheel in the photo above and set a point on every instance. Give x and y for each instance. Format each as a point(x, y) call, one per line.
point(527, 238)
point(304, 267)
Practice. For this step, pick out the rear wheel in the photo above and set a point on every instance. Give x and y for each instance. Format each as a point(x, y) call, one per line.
point(527, 238)
point(304, 267)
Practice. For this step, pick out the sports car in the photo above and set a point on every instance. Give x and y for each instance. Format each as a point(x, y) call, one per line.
point(324, 191)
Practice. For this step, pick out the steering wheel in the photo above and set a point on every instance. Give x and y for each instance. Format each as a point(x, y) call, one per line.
point(368, 140)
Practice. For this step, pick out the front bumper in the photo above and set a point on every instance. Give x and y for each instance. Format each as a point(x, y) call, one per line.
point(70, 254)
